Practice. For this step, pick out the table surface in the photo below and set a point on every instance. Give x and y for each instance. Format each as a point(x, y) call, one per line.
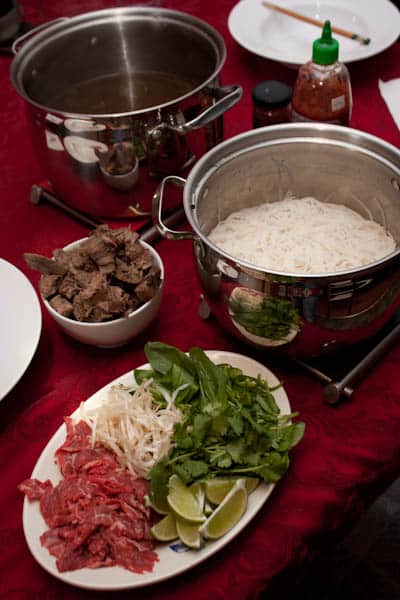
point(349, 453)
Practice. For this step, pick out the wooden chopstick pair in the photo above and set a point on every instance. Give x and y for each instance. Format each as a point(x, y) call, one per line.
point(296, 15)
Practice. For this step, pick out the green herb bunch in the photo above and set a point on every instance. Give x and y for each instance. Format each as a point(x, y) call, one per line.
point(231, 426)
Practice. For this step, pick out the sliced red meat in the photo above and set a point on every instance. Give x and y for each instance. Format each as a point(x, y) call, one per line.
point(139, 489)
point(98, 550)
point(78, 436)
point(53, 541)
point(96, 514)
point(133, 556)
point(65, 503)
point(35, 489)
point(118, 482)
point(96, 461)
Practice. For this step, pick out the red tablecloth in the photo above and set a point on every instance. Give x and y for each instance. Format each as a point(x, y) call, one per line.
point(348, 453)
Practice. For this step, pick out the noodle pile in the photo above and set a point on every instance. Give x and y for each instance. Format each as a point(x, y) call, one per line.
point(302, 235)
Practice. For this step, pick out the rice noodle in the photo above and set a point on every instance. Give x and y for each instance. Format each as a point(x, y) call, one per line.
point(302, 235)
point(137, 430)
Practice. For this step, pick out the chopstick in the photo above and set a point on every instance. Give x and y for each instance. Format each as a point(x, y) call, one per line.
point(296, 15)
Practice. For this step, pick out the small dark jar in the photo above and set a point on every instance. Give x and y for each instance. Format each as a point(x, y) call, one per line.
point(271, 103)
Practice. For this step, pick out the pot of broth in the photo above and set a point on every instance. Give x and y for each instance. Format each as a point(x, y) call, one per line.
point(118, 97)
point(296, 235)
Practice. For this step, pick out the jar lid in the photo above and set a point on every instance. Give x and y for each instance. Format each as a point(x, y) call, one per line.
point(272, 94)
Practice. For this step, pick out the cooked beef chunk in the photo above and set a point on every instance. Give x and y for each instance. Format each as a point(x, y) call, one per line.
point(106, 277)
point(125, 236)
point(113, 303)
point(127, 272)
point(101, 248)
point(100, 305)
point(141, 257)
point(69, 287)
point(44, 265)
point(148, 286)
point(133, 302)
point(49, 284)
point(74, 260)
point(61, 305)
point(95, 280)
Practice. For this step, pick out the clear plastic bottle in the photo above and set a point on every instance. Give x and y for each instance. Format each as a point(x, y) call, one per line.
point(322, 91)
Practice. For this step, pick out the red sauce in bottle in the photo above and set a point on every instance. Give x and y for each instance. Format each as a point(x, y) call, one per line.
point(322, 91)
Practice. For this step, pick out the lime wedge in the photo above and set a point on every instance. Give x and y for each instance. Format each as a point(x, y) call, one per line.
point(159, 504)
point(189, 533)
point(183, 502)
point(251, 483)
point(165, 530)
point(227, 514)
point(217, 488)
point(197, 489)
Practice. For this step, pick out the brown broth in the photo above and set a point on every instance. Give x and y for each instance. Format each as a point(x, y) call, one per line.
point(121, 93)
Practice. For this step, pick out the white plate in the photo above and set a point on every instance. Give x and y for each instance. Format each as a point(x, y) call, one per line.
point(171, 562)
point(276, 36)
point(20, 325)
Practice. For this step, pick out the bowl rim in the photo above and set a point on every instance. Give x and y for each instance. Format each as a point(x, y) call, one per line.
point(112, 322)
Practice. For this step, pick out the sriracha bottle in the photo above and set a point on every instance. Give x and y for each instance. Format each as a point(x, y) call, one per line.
point(322, 91)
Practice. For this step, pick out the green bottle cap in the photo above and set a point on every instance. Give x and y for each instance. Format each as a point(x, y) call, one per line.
point(325, 48)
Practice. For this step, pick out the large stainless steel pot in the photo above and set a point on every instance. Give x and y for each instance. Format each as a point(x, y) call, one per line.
point(317, 312)
point(115, 96)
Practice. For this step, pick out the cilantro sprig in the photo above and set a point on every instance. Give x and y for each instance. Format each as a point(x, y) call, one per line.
point(232, 424)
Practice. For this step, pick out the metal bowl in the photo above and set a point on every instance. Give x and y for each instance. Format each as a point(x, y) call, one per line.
point(319, 312)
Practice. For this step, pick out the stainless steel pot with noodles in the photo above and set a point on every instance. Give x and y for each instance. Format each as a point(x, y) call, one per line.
point(308, 308)
point(119, 96)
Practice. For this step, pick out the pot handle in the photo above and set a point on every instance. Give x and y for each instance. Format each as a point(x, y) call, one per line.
point(227, 96)
point(163, 230)
point(22, 38)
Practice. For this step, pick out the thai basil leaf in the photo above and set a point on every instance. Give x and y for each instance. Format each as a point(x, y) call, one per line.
point(163, 357)
point(212, 382)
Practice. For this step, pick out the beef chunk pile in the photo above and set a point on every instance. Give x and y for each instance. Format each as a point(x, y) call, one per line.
point(108, 276)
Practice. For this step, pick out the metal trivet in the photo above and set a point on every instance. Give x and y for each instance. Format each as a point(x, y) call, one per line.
point(341, 372)
point(148, 233)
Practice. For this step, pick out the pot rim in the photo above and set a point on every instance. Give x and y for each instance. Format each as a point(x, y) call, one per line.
point(115, 14)
point(320, 131)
